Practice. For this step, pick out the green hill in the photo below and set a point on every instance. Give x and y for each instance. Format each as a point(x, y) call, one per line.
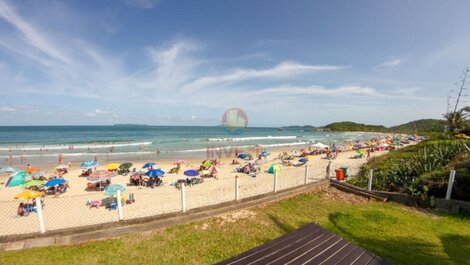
point(426, 125)
point(423, 126)
point(349, 126)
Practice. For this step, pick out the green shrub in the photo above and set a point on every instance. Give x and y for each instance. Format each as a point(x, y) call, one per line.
point(421, 168)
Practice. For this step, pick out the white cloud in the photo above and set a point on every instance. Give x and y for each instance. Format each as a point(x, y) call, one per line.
point(173, 65)
point(406, 92)
point(389, 63)
point(173, 74)
point(283, 70)
point(101, 113)
point(318, 90)
point(30, 35)
point(7, 109)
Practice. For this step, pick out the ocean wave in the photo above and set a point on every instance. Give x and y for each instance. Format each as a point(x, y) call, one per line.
point(220, 148)
point(240, 139)
point(286, 144)
point(81, 154)
point(75, 146)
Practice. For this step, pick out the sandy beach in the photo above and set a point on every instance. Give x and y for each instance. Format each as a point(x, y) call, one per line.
point(70, 209)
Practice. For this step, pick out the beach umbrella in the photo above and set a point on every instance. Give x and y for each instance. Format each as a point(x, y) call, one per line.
point(264, 154)
point(32, 183)
point(207, 163)
point(303, 160)
point(53, 182)
point(125, 166)
point(28, 195)
point(360, 151)
point(8, 170)
point(178, 162)
point(88, 164)
point(242, 156)
point(32, 170)
point(101, 175)
point(274, 168)
point(155, 173)
point(149, 164)
point(112, 166)
point(191, 173)
point(16, 179)
point(111, 190)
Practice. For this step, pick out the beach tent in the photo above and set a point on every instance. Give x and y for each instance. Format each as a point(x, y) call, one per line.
point(274, 168)
point(16, 179)
point(319, 145)
point(28, 195)
point(88, 164)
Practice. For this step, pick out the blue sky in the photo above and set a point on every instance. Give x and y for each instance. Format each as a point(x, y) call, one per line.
point(185, 62)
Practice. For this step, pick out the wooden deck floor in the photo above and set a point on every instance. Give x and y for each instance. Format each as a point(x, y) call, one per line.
point(309, 244)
